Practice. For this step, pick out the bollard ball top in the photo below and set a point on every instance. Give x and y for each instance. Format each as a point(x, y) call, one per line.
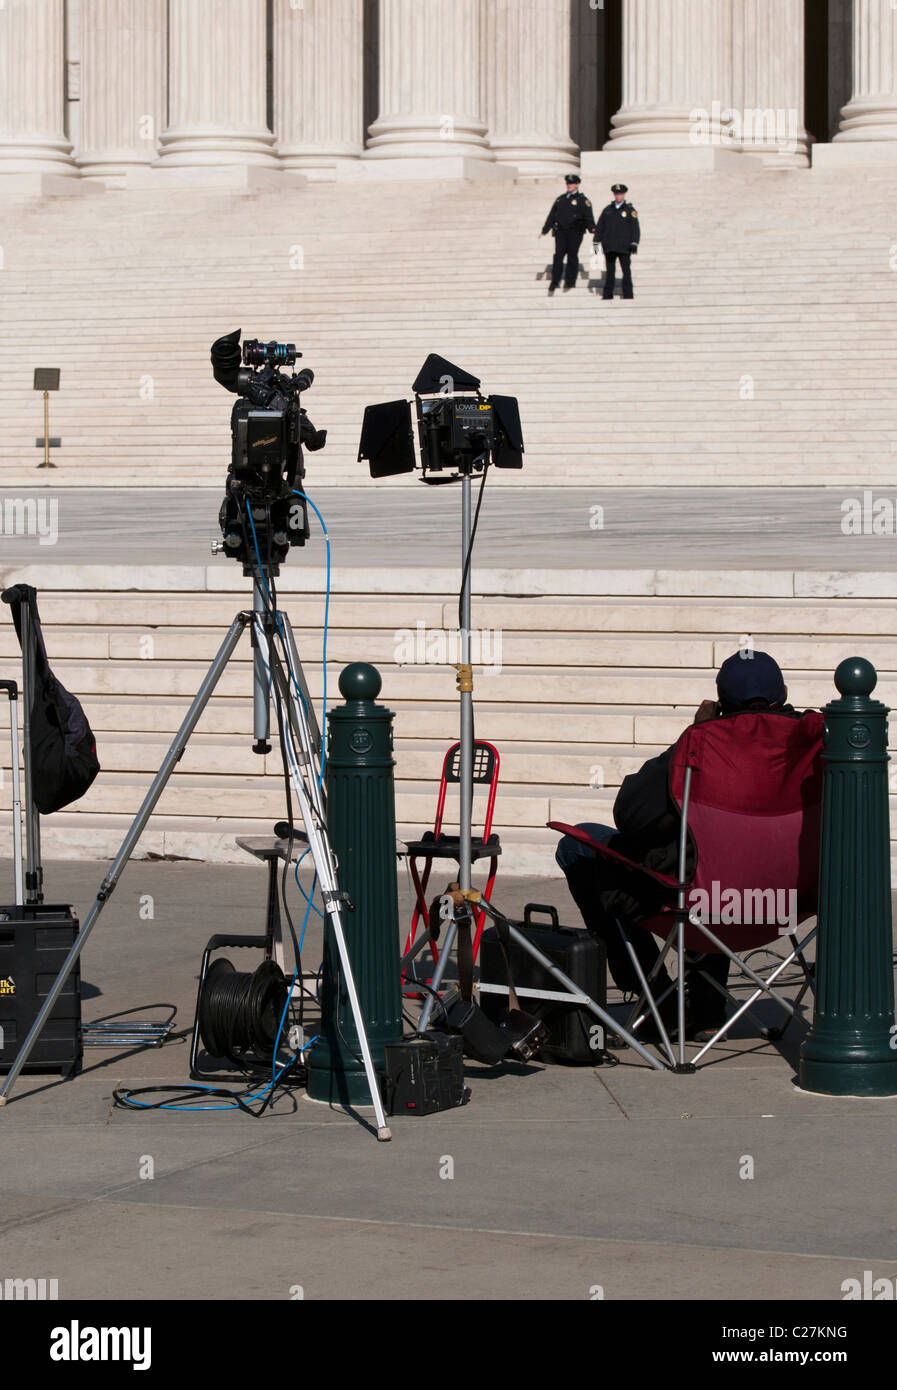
point(856, 676)
point(360, 681)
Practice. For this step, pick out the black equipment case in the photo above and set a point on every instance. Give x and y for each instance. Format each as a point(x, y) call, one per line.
point(34, 941)
point(574, 951)
point(424, 1074)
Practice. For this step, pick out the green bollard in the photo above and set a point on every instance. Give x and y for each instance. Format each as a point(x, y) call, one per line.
point(850, 1049)
point(361, 820)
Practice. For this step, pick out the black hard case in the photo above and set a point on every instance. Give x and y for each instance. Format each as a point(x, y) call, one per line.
point(424, 1074)
point(34, 942)
point(574, 951)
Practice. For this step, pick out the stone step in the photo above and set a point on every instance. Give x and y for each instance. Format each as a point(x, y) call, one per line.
point(437, 720)
point(143, 280)
point(429, 652)
point(557, 585)
point(416, 761)
point(65, 836)
point(716, 619)
point(203, 795)
point(608, 687)
point(191, 799)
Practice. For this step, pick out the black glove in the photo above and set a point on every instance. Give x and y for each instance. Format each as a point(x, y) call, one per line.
point(633, 250)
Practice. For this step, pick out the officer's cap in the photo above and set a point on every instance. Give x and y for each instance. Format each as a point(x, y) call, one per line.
point(619, 188)
point(573, 178)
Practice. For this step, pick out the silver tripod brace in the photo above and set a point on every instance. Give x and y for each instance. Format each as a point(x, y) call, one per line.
point(302, 746)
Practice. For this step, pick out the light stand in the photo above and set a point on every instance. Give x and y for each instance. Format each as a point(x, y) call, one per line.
point(461, 432)
point(465, 786)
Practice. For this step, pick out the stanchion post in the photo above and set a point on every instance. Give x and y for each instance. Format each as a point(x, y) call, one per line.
point(851, 1049)
point(361, 821)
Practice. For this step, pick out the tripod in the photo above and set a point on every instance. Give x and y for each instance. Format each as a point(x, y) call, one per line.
point(301, 744)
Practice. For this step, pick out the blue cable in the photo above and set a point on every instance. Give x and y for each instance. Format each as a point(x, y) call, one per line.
point(257, 553)
point(303, 892)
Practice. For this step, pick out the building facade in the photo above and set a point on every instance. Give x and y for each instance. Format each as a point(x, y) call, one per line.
point(120, 90)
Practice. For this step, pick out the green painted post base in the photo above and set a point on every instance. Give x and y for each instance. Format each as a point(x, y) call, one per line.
point(361, 820)
point(848, 1051)
point(848, 1066)
point(335, 1077)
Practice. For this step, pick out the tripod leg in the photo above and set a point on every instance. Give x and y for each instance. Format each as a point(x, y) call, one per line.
point(106, 888)
point(261, 675)
point(298, 676)
point(289, 710)
point(430, 1001)
point(296, 700)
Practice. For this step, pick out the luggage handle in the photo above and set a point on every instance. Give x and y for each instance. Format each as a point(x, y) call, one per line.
point(11, 689)
point(540, 907)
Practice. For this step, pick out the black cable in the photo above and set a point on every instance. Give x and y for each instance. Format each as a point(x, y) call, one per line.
point(123, 1097)
point(279, 705)
point(268, 590)
point(473, 535)
point(419, 984)
point(240, 1012)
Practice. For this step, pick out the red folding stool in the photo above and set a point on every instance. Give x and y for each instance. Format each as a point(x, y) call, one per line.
point(434, 844)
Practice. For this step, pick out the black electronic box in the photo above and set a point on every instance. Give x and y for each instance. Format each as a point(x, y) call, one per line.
point(424, 1074)
point(34, 942)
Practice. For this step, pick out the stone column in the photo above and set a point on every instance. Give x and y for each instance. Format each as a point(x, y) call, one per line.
point(871, 113)
point(318, 83)
point(122, 84)
point(677, 59)
point(527, 81)
point(32, 89)
point(768, 100)
point(430, 82)
point(217, 85)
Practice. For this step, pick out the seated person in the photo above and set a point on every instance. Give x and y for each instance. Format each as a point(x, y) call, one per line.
point(646, 830)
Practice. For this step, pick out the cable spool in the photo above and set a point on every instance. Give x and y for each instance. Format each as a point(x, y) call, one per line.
point(240, 1012)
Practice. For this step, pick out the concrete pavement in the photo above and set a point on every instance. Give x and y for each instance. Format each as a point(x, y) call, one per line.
point(406, 523)
point(563, 1180)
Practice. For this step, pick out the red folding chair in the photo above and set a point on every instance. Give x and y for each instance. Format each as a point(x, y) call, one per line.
point(749, 793)
point(434, 844)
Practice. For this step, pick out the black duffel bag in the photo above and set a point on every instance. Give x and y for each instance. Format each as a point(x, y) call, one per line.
point(64, 759)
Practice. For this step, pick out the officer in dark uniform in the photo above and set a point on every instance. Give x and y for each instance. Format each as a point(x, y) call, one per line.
point(570, 218)
point(618, 232)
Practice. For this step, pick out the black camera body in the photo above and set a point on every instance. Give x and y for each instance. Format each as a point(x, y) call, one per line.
point(261, 517)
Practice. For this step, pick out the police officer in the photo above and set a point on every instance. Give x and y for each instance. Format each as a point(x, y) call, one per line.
point(570, 218)
point(618, 233)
